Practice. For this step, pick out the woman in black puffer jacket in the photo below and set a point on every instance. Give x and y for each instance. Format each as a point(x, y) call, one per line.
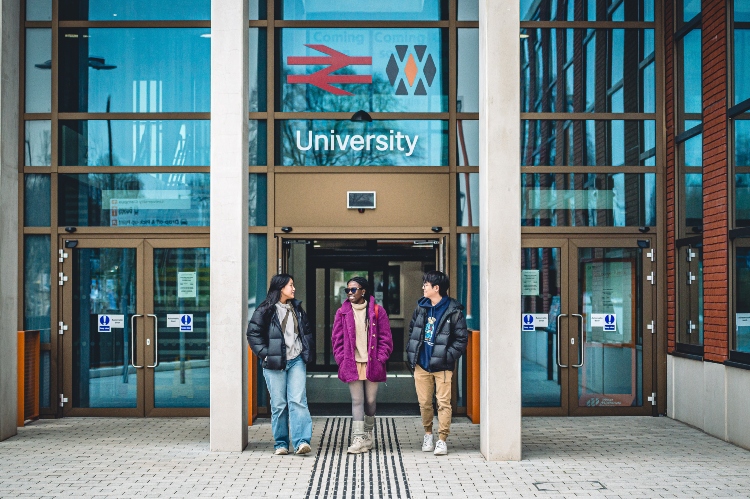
point(279, 334)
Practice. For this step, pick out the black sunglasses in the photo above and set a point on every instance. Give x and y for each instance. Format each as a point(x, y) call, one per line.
point(351, 291)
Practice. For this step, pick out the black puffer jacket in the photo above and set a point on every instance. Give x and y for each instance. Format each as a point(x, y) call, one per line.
point(266, 339)
point(450, 337)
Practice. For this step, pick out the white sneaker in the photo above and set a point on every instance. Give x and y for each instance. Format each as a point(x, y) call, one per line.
point(281, 451)
point(428, 445)
point(359, 445)
point(303, 448)
point(441, 448)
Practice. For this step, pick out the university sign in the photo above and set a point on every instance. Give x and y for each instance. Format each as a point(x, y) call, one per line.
point(395, 141)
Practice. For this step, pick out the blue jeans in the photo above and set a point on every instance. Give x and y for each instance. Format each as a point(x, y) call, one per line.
point(288, 389)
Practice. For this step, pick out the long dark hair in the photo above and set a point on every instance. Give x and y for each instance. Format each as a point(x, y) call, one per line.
point(274, 289)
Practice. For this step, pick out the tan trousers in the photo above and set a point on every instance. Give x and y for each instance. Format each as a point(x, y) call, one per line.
point(426, 384)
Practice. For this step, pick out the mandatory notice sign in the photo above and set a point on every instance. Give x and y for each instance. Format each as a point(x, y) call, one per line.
point(187, 284)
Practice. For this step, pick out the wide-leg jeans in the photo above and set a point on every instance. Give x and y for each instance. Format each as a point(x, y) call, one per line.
point(288, 389)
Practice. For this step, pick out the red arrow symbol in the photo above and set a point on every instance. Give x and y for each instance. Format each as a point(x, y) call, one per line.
point(323, 78)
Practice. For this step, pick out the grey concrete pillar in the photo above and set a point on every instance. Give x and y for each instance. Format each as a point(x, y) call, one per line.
point(9, 40)
point(229, 234)
point(500, 230)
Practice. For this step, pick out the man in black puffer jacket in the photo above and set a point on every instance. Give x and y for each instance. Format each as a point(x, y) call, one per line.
point(437, 338)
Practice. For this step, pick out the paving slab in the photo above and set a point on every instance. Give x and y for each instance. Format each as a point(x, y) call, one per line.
point(608, 457)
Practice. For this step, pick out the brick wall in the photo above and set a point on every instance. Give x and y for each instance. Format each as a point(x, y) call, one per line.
point(669, 101)
point(715, 182)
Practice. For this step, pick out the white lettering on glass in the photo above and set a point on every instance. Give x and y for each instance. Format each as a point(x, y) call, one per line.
point(394, 142)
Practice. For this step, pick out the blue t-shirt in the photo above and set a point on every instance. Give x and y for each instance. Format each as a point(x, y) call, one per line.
point(434, 314)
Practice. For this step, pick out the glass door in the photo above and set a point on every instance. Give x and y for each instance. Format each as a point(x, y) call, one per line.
point(102, 336)
point(177, 292)
point(586, 326)
point(135, 327)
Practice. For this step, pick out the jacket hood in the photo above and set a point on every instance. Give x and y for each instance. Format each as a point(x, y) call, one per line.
point(425, 302)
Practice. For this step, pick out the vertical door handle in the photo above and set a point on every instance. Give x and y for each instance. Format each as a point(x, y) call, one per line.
point(559, 334)
point(156, 340)
point(132, 341)
point(581, 347)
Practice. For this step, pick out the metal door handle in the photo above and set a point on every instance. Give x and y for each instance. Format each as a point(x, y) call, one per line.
point(132, 340)
point(156, 340)
point(581, 346)
point(559, 334)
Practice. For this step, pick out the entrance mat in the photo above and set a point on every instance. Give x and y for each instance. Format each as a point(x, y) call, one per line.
point(378, 473)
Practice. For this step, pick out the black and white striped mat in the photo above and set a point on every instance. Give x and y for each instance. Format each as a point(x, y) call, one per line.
point(378, 473)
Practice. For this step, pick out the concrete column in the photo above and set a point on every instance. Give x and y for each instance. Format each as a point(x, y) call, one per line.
point(229, 235)
point(9, 41)
point(500, 230)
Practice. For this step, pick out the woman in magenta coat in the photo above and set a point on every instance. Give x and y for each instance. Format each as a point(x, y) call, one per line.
point(362, 343)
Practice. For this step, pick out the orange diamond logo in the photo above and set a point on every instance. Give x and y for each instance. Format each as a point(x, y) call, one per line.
point(411, 70)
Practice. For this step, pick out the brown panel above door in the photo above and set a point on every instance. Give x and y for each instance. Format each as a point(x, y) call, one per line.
point(403, 200)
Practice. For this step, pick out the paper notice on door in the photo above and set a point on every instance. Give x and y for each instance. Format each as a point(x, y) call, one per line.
point(187, 284)
point(530, 283)
point(541, 320)
point(173, 320)
point(742, 320)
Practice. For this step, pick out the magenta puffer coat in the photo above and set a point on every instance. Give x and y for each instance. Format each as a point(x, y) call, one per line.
point(344, 342)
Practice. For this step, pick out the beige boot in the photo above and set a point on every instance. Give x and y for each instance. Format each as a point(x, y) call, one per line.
point(369, 425)
point(359, 440)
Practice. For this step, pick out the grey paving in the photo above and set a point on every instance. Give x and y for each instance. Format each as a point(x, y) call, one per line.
point(563, 457)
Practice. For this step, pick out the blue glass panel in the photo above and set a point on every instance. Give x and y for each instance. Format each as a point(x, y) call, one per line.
point(742, 11)
point(37, 284)
point(257, 70)
point(135, 10)
point(38, 10)
point(37, 145)
point(742, 143)
point(693, 206)
point(36, 200)
point(258, 199)
point(468, 71)
point(38, 88)
point(468, 142)
point(256, 9)
point(257, 270)
point(552, 10)
point(104, 281)
point(381, 70)
point(134, 200)
point(347, 143)
point(742, 297)
point(468, 10)
point(588, 200)
point(694, 151)
point(590, 79)
point(741, 65)
point(649, 82)
point(257, 139)
point(468, 263)
point(467, 204)
point(690, 9)
point(117, 70)
point(347, 10)
point(145, 142)
point(589, 143)
point(742, 199)
point(692, 83)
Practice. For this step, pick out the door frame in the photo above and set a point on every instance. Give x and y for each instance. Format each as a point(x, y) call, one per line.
point(568, 245)
point(144, 328)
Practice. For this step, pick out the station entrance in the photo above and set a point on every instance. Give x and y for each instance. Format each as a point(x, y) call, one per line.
point(394, 268)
